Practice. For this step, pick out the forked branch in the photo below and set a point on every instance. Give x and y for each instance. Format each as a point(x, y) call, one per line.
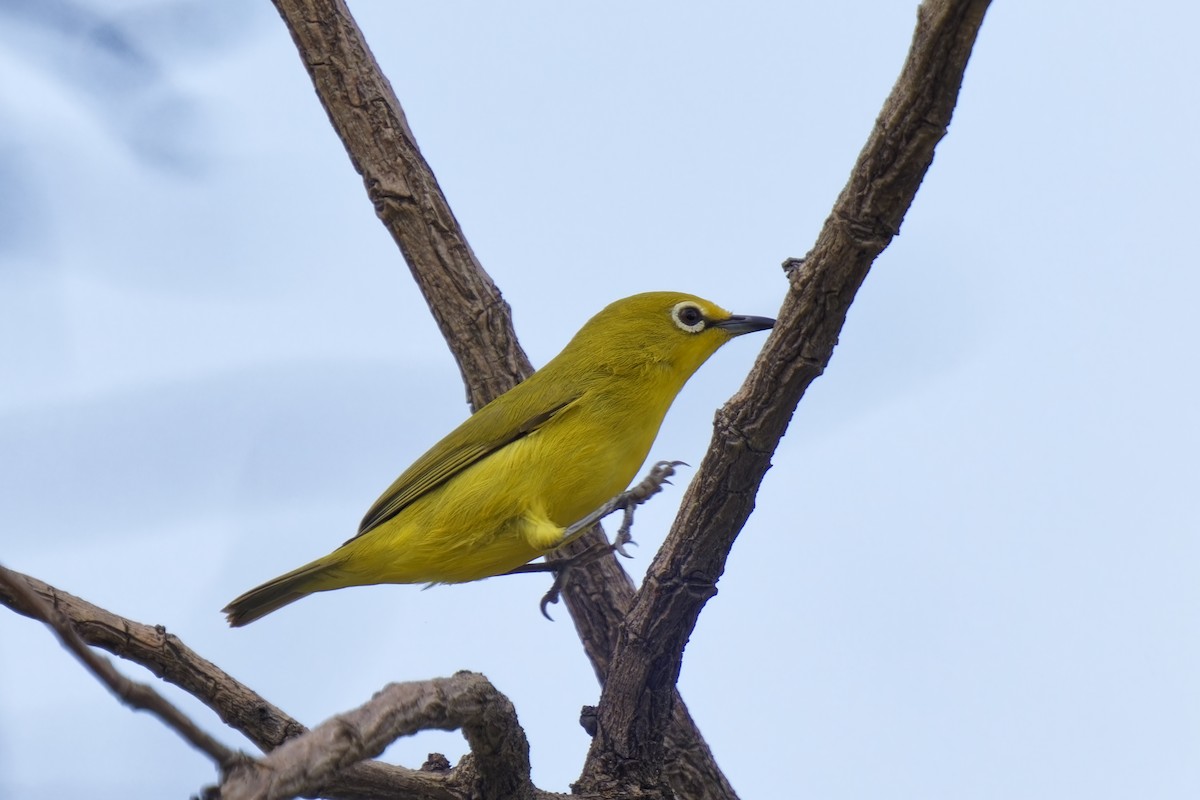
point(134, 694)
point(474, 319)
point(237, 705)
point(635, 642)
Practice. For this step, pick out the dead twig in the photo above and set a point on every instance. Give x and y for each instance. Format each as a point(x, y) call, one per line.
point(136, 695)
point(499, 750)
point(243, 709)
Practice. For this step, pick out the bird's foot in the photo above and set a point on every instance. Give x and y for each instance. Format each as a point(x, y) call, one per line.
point(627, 501)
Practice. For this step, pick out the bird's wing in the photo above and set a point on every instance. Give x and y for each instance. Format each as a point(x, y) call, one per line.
point(493, 427)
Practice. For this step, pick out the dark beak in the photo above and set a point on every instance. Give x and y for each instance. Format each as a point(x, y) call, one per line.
point(738, 324)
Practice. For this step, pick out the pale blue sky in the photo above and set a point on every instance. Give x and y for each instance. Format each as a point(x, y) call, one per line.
point(973, 570)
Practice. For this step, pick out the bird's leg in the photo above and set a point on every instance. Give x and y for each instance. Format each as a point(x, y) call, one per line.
point(627, 501)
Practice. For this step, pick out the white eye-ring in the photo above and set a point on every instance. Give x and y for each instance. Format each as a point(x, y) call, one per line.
point(688, 317)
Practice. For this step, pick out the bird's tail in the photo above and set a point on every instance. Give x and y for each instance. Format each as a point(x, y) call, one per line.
point(275, 594)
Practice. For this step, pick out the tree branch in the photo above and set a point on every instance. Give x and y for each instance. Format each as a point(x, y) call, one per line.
point(474, 319)
point(635, 708)
point(467, 700)
point(132, 693)
point(641, 718)
point(238, 706)
point(363, 109)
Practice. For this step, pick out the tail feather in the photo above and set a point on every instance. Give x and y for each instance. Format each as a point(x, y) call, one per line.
point(275, 594)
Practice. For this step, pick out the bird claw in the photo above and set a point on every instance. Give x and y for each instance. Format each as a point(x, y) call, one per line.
point(551, 596)
point(652, 484)
point(624, 533)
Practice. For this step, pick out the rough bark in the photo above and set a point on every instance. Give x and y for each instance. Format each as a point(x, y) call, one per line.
point(24, 590)
point(499, 763)
point(645, 743)
point(635, 709)
point(238, 706)
point(474, 319)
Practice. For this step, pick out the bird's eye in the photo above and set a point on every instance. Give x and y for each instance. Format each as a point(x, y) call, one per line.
point(688, 317)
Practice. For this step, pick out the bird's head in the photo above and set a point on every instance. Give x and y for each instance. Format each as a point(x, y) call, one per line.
point(666, 329)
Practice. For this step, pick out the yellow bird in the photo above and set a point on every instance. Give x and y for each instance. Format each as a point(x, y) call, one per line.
point(504, 486)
